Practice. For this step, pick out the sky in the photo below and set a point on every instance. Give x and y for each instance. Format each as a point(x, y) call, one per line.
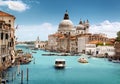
point(42, 17)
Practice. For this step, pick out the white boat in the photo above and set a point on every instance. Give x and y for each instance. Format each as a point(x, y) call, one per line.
point(116, 61)
point(82, 60)
point(60, 63)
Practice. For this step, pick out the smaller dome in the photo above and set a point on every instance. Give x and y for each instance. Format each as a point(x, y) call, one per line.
point(80, 27)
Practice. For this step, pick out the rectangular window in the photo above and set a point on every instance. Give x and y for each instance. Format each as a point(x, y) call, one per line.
point(2, 36)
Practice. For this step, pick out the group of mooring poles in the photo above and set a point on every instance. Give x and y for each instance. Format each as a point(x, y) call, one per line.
point(21, 73)
point(22, 76)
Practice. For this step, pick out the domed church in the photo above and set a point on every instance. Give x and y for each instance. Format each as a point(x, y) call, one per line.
point(74, 39)
point(66, 26)
point(65, 40)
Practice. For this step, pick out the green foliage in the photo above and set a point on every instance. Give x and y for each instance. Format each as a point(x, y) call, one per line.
point(118, 36)
point(102, 44)
point(118, 33)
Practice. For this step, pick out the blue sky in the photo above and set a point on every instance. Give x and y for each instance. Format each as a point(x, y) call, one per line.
point(42, 17)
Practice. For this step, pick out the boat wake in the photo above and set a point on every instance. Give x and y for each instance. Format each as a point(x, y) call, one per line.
point(68, 67)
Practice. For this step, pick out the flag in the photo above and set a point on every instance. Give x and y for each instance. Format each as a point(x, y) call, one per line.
point(16, 27)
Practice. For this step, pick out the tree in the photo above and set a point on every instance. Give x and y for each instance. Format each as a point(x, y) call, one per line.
point(117, 46)
point(118, 36)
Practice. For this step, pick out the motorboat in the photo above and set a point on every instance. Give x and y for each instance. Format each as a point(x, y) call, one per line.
point(82, 60)
point(116, 61)
point(60, 63)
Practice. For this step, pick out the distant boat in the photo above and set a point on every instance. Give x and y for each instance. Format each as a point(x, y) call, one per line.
point(60, 63)
point(34, 52)
point(34, 49)
point(50, 54)
point(116, 61)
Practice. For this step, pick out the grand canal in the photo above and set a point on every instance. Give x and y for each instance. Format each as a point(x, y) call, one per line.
point(42, 71)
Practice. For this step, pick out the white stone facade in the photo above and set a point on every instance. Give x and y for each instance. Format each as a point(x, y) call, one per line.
point(82, 41)
point(91, 49)
point(39, 44)
point(102, 50)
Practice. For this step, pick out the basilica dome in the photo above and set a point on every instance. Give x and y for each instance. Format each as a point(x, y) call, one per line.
point(65, 24)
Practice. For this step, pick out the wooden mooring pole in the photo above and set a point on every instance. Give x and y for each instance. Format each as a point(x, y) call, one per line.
point(22, 77)
point(27, 74)
point(12, 76)
point(34, 60)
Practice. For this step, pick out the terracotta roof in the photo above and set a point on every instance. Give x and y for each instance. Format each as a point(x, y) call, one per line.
point(58, 35)
point(5, 14)
point(62, 37)
point(97, 42)
point(73, 38)
point(94, 42)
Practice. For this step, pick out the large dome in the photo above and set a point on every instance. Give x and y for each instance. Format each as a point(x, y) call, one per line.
point(65, 24)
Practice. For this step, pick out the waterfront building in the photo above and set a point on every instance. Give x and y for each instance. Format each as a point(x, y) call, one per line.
point(37, 43)
point(82, 41)
point(105, 50)
point(91, 49)
point(73, 44)
point(7, 39)
point(104, 45)
point(52, 42)
point(117, 50)
point(40, 44)
point(98, 38)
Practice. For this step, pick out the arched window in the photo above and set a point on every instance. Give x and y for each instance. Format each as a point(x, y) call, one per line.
point(12, 42)
point(6, 36)
point(2, 34)
point(9, 20)
point(0, 25)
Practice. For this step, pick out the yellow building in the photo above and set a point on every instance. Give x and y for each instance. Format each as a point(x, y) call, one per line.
point(7, 39)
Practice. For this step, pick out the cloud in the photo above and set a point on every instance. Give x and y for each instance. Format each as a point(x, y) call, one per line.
point(106, 27)
point(15, 5)
point(31, 32)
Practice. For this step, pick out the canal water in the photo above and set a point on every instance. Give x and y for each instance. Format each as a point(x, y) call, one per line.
point(42, 71)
